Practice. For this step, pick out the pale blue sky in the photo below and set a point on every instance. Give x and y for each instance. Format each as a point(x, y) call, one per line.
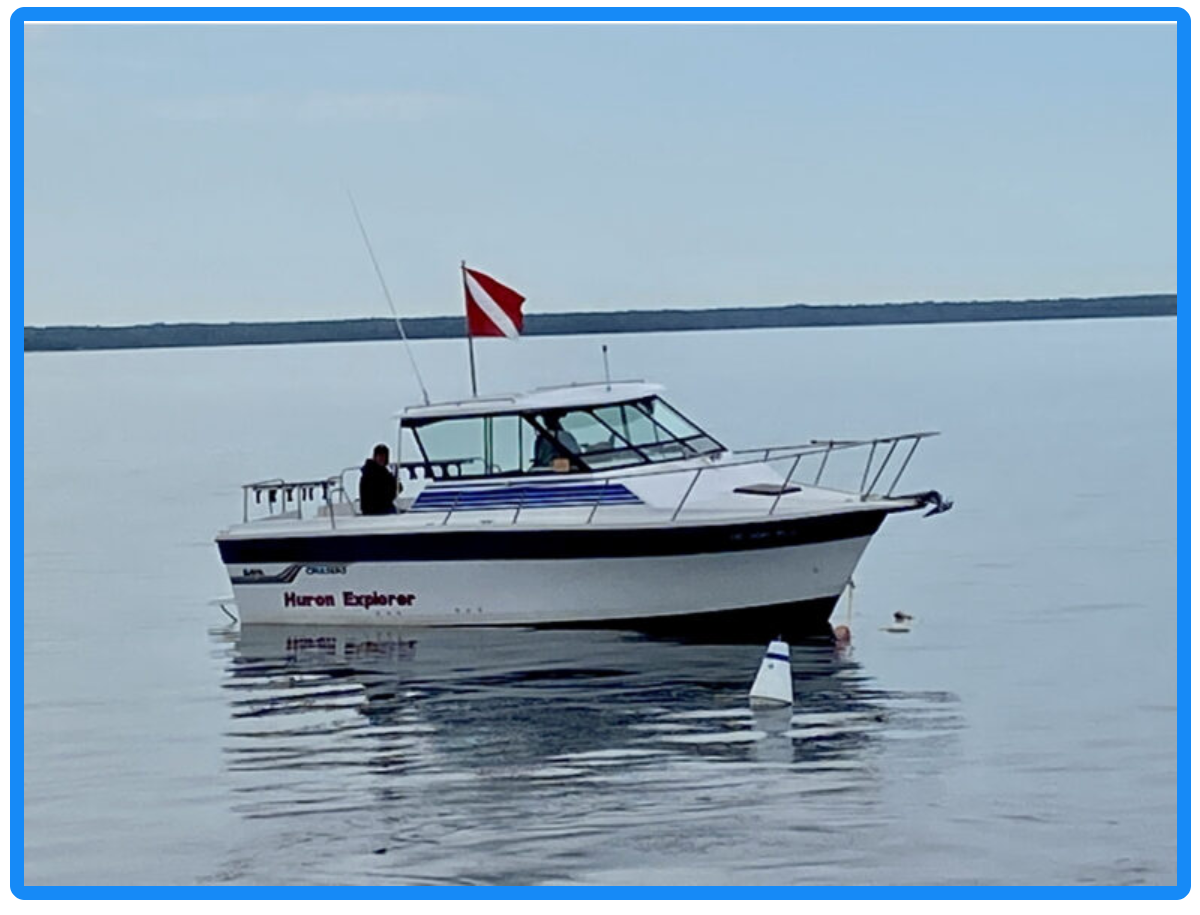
point(178, 173)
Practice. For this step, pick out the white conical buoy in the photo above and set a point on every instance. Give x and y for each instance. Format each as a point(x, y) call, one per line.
point(773, 684)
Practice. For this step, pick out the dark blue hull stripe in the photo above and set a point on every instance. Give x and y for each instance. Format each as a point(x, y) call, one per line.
point(523, 496)
point(505, 542)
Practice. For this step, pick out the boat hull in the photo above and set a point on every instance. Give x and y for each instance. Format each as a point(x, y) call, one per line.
point(759, 581)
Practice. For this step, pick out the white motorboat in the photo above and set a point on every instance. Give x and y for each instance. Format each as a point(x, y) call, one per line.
point(635, 518)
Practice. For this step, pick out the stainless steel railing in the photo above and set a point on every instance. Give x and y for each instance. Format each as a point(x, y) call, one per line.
point(278, 494)
point(333, 491)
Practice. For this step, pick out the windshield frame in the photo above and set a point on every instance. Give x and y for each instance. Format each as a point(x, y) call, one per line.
point(698, 444)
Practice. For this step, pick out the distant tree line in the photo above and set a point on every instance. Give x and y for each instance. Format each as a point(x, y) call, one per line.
point(595, 322)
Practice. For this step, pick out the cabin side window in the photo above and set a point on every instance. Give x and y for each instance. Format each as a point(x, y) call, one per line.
point(505, 438)
point(451, 447)
point(633, 424)
point(473, 446)
point(591, 443)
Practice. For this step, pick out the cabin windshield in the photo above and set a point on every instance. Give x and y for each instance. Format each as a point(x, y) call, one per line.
point(604, 437)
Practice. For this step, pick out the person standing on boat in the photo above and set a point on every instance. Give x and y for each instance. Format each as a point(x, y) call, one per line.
point(377, 487)
point(556, 447)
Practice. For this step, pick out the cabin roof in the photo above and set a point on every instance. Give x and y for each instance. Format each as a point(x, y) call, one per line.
point(563, 397)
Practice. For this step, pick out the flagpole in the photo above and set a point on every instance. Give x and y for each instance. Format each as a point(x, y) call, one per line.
point(470, 339)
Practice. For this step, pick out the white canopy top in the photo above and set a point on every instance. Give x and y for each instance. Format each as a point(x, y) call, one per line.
point(564, 397)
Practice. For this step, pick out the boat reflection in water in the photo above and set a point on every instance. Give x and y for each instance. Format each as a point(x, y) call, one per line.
point(484, 698)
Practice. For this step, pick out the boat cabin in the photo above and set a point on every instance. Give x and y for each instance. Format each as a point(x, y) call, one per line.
point(575, 429)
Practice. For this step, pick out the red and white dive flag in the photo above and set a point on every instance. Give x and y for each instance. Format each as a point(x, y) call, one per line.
point(493, 310)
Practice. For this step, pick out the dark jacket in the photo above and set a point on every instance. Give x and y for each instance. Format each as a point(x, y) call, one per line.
point(376, 490)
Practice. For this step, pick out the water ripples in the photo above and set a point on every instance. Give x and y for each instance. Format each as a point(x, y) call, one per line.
point(438, 749)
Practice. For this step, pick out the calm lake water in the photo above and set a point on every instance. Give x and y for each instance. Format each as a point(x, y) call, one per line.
point(1023, 731)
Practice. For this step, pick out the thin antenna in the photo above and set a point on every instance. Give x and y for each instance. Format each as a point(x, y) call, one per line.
point(607, 377)
point(387, 295)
